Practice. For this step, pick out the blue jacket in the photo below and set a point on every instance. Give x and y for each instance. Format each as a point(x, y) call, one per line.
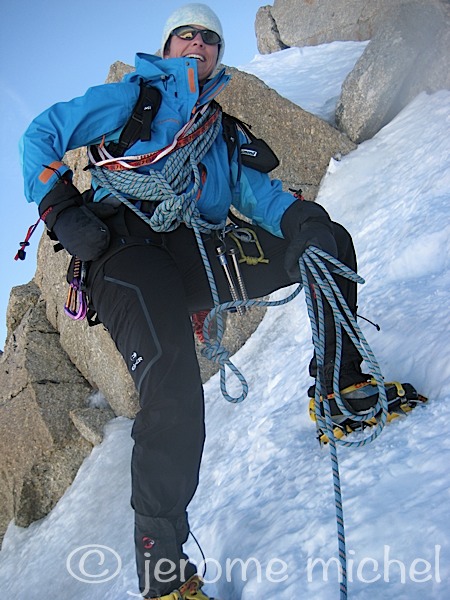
point(104, 110)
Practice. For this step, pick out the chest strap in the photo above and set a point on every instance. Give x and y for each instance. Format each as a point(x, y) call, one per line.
point(138, 126)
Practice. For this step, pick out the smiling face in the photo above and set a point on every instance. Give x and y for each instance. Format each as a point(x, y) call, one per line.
point(205, 54)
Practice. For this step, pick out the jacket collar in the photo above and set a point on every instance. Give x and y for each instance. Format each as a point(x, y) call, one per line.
point(213, 87)
point(158, 69)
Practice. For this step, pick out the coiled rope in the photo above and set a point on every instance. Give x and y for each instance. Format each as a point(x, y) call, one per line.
point(175, 188)
point(314, 265)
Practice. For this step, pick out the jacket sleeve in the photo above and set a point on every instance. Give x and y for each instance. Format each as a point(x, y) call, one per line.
point(69, 125)
point(260, 198)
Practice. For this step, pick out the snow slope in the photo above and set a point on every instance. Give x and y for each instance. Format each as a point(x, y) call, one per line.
point(265, 496)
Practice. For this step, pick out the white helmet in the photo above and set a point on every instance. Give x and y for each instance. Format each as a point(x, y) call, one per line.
point(194, 14)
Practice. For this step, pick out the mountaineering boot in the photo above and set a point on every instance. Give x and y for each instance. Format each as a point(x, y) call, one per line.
point(188, 591)
point(349, 374)
point(360, 398)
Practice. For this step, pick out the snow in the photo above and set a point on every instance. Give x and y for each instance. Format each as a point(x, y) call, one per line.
point(315, 74)
point(266, 495)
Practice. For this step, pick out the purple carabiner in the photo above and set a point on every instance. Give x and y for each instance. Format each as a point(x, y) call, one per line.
point(76, 304)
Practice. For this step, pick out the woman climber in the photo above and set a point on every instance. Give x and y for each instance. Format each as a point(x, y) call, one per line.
point(136, 231)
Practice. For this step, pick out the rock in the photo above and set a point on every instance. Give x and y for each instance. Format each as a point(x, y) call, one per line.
point(90, 422)
point(117, 70)
point(311, 22)
point(24, 439)
point(90, 349)
point(40, 449)
point(49, 478)
point(21, 299)
point(267, 34)
point(408, 54)
point(303, 142)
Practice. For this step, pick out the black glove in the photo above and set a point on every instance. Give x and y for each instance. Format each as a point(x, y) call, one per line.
point(305, 224)
point(77, 228)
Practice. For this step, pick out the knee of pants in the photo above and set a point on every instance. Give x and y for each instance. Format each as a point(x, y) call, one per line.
point(175, 412)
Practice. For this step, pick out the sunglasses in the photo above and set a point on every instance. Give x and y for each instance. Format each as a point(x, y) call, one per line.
point(187, 32)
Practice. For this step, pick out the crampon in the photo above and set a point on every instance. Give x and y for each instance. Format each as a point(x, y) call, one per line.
point(402, 398)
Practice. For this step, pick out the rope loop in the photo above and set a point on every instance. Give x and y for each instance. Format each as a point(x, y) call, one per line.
point(216, 353)
point(314, 267)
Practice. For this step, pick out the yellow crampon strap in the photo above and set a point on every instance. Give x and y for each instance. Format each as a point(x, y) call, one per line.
point(190, 590)
point(342, 430)
point(357, 386)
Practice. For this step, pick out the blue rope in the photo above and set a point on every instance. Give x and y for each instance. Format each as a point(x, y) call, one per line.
point(216, 352)
point(174, 188)
point(315, 266)
point(316, 262)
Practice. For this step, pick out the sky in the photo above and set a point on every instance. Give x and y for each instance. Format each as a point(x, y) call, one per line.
point(53, 51)
point(264, 511)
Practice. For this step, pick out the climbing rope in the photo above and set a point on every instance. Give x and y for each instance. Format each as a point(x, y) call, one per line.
point(315, 267)
point(175, 188)
point(214, 350)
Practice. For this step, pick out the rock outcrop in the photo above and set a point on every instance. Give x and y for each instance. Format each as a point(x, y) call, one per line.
point(408, 54)
point(310, 22)
point(40, 448)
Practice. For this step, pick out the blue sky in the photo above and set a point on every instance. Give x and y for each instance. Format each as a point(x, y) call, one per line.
point(52, 51)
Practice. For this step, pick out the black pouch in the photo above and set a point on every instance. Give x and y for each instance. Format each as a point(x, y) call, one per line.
point(259, 155)
point(256, 153)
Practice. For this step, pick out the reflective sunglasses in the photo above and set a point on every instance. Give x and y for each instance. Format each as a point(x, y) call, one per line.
point(187, 32)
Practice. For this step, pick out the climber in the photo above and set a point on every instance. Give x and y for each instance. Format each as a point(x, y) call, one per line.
point(147, 281)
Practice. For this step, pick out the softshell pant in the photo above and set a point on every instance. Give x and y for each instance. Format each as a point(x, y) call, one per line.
point(144, 293)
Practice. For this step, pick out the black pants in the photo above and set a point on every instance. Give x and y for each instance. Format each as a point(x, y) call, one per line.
point(144, 294)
